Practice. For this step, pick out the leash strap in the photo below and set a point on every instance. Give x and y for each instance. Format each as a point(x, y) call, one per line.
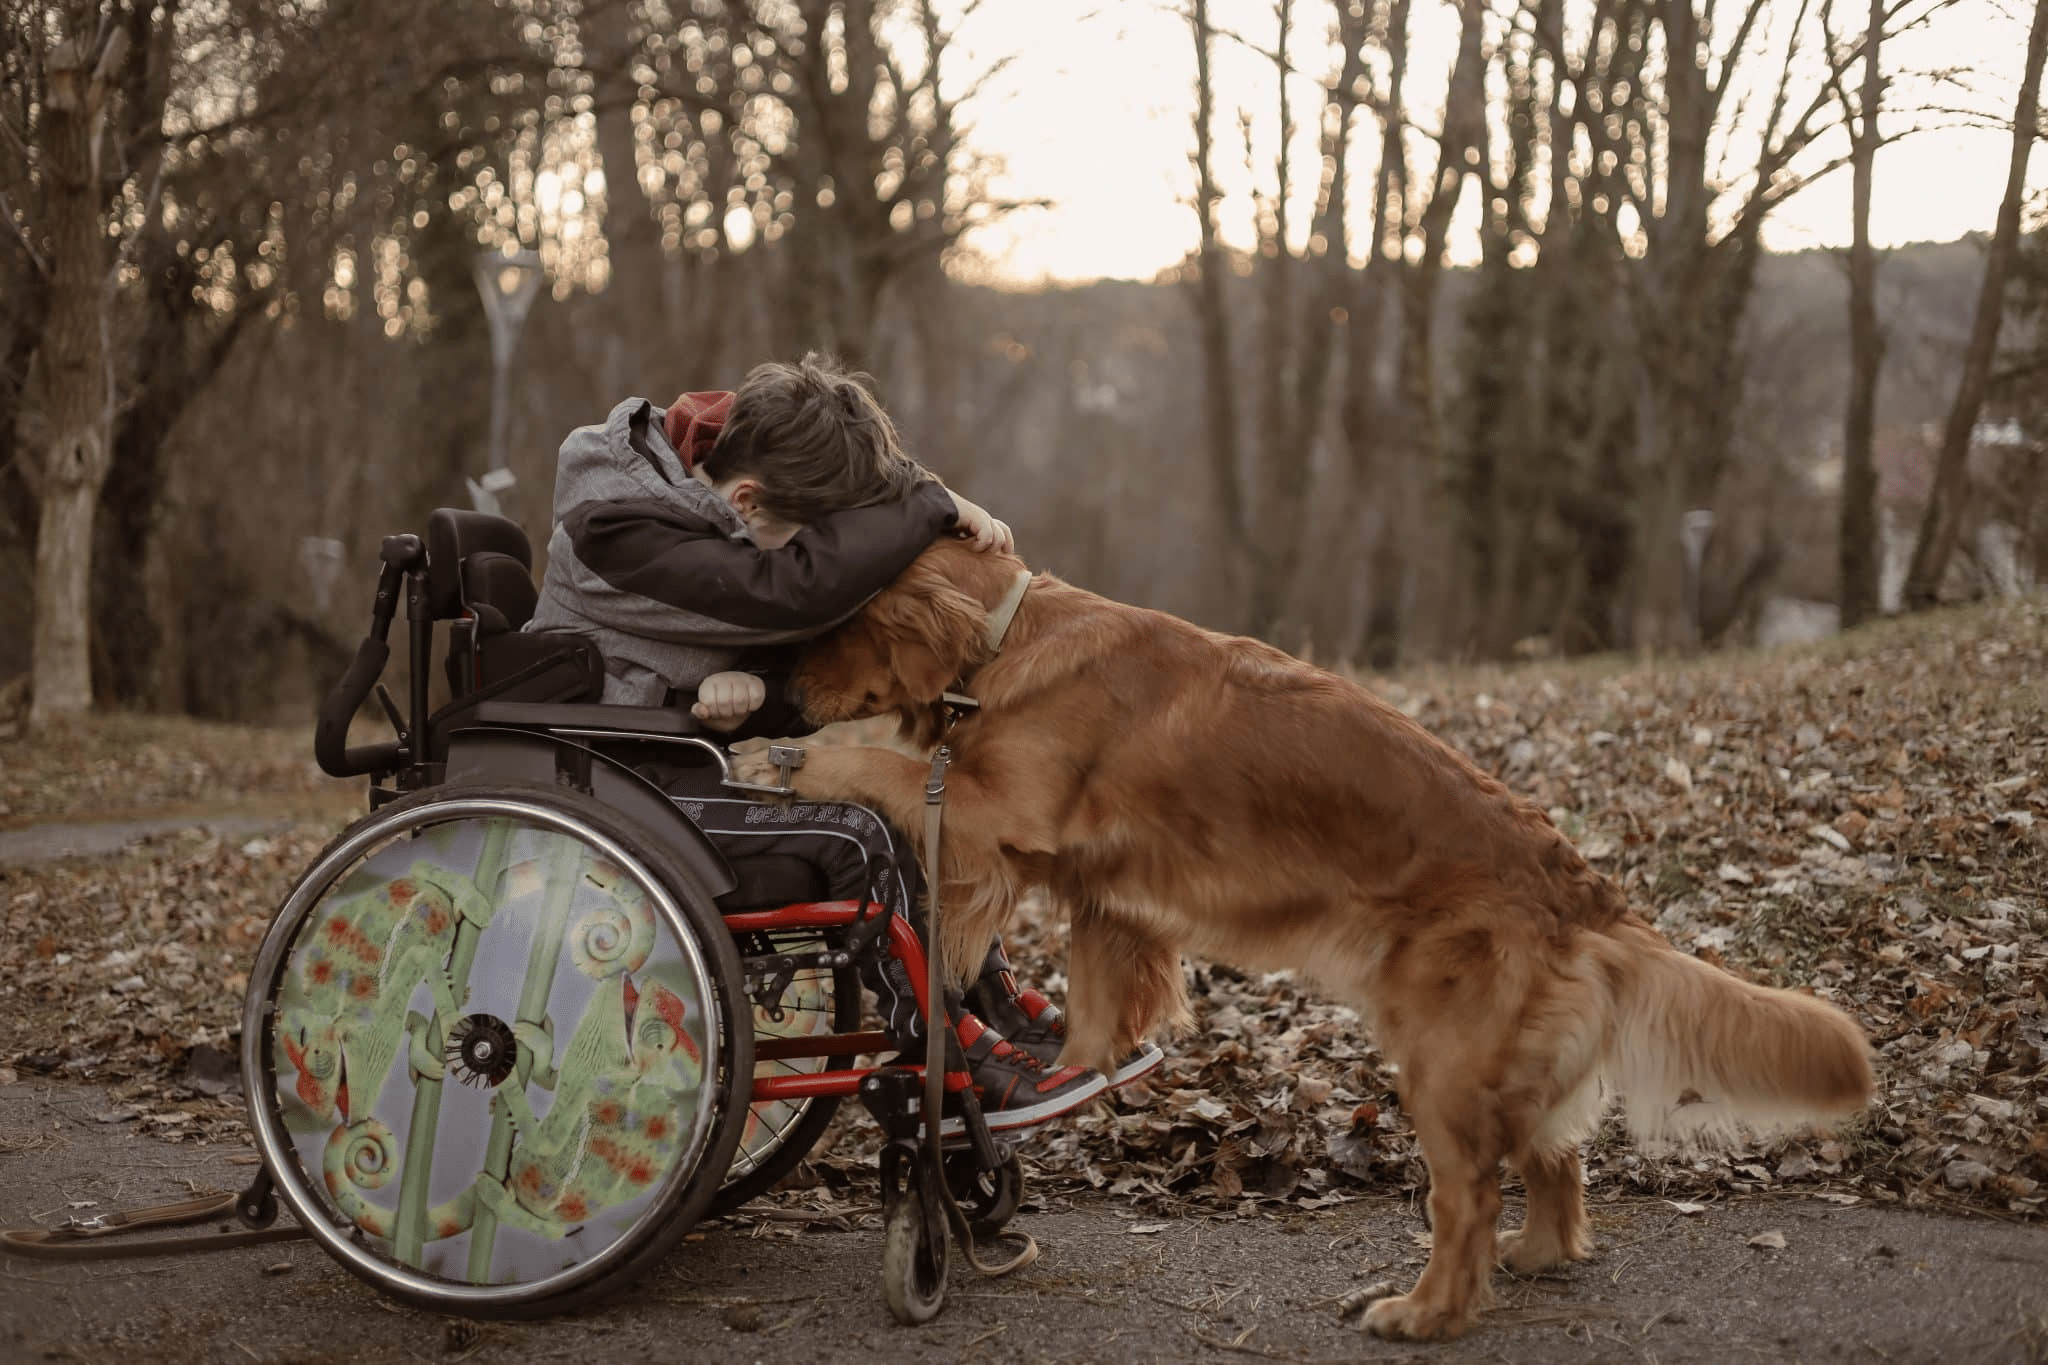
point(937, 1026)
point(79, 1239)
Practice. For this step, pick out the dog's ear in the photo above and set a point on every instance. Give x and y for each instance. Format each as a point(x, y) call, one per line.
point(932, 632)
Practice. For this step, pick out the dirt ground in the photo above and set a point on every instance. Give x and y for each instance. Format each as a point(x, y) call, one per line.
point(1850, 1283)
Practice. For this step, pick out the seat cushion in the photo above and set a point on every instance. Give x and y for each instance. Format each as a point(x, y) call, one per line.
point(769, 880)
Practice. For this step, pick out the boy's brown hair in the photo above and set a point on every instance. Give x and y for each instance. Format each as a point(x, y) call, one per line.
point(815, 437)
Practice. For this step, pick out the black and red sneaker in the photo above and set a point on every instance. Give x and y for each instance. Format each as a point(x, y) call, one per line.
point(1033, 1023)
point(1016, 1089)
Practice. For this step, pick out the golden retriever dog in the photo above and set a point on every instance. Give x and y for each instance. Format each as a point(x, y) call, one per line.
point(1180, 791)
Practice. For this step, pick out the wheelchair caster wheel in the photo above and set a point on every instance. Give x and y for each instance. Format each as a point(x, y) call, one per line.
point(914, 1254)
point(257, 1210)
point(989, 1198)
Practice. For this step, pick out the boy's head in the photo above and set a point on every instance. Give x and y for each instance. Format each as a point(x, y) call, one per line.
point(812, 440)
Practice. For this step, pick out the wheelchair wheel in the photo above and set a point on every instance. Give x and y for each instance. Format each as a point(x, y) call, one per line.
point(989, 1198)
point(914, 1248)
point(496, 1050)
point(780, 1133)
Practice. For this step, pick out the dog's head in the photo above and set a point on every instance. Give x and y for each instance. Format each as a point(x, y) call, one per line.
point(911, 642)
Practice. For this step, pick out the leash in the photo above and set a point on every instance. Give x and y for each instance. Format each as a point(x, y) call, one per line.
point(79, 1239)
point(955, 703)
point(936, 1019)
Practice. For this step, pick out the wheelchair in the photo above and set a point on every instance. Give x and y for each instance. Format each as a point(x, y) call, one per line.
point(521, 1026)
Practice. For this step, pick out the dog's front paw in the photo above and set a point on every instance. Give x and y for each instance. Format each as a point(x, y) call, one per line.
point(1405, 1319)
point(756, 768)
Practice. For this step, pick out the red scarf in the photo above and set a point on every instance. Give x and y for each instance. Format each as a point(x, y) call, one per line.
point(694, 420)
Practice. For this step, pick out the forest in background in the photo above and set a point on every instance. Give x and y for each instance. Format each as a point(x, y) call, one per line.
point(263, 287)
point(1083, 406)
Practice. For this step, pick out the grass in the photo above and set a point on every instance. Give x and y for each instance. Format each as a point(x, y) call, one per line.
point(122, 766)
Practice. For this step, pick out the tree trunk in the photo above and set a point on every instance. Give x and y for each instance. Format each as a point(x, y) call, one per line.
point(1857, 555)
point(63, 614)
point(77, 398)
point(1277, 490)
point(1220, 389)
point(632, 247)
point(1944, 516)
point(1380, 463)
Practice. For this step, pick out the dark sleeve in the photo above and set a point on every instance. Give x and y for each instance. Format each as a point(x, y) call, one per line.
point(827, 570)
point(776, 718)
point(779, 717)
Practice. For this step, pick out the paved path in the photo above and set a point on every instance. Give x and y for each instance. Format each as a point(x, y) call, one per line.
point(47, 843)
point(1858, 1283)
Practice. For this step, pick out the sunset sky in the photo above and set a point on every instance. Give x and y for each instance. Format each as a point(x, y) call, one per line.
point(1093, 112)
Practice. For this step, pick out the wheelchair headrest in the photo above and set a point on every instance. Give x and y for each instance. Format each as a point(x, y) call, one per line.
point(498, 586)
point(453, 536)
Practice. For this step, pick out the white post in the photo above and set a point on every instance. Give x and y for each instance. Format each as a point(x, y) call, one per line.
point(508, 282)
point(1694, 530)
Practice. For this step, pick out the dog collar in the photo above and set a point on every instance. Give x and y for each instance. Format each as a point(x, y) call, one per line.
point(999, 618)
point(1006, 611)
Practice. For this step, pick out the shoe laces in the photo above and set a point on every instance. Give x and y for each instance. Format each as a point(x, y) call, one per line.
point(1010, 1052)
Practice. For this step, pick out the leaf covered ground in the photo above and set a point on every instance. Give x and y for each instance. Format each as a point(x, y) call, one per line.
point(1867, 819)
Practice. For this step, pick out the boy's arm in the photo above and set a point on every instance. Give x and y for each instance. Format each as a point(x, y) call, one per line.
point(656, 551)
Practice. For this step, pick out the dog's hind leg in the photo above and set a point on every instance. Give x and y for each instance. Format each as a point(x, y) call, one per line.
point(1459, 1136)
point(1554, 1230)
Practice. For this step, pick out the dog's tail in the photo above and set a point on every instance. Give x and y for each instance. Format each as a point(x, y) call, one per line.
point(1699, 1055)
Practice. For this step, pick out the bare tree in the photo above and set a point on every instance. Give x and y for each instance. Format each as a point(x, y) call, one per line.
point(77, 397)
point(1212, 307)
point(1943, 518)
point(1857, 555)
point(1659, 104)
point(1278, 483)
point(1399, 471)
point(633, 248)
point(854, 129)
point(1303, 295)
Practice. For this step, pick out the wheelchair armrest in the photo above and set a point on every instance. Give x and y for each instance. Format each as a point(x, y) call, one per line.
point(646, 720)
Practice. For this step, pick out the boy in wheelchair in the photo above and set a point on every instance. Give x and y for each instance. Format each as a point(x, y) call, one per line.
point(698, 546)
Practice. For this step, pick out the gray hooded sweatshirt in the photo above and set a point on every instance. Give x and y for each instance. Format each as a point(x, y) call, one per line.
point(659, 569)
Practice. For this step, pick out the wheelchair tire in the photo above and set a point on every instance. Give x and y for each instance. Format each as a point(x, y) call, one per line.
point(779, 1134)
point(915, 1243)
point(989, 1198)
point(448, 960)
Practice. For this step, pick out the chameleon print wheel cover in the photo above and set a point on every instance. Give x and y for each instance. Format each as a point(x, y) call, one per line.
point(401, 990)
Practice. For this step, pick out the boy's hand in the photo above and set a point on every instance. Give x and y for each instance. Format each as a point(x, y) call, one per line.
point(979, 528)
point(726, 699)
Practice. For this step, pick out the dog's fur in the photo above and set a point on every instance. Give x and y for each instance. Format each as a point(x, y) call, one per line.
point(1179, 790)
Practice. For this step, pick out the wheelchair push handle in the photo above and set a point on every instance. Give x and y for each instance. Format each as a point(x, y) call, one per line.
point(401, 555)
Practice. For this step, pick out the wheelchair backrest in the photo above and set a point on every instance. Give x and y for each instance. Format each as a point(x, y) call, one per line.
point(476, 559)
point(480, 577)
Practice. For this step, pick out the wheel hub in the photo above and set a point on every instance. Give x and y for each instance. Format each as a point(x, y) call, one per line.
point(481, 1050)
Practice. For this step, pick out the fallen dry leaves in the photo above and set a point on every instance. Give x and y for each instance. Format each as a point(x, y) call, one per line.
point(1867, 819)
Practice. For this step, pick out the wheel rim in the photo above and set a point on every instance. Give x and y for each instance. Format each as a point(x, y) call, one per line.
point(512, 1202)
point(809, 1009)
